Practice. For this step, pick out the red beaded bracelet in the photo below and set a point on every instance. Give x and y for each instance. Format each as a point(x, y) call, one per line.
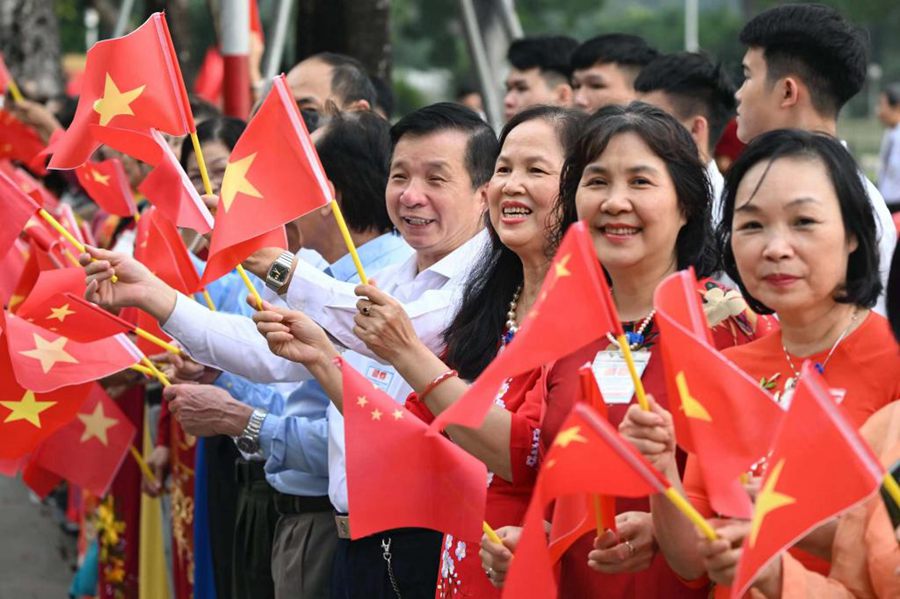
point(437, 381)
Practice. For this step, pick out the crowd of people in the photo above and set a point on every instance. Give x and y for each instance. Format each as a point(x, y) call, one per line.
point(791, 244)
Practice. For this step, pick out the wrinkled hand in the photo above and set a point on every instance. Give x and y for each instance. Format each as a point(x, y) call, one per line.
point(631, 550)
point(158, 461)
point(136, 285)
point(293, 335)
point(183, 369)
point(720, 557)
point(37, 116)
point(495, 559)
point(205, 410)
point(652, 433)
point(382, 323)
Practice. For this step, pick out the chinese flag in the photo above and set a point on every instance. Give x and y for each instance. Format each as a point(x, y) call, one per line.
point(588, 456)
point(574, 308)
point(400, 476)
point(90, 448)
point(167, 186)
point(17, 209)
point(27, 416)
point(159, 247)
point(133, 82)
point(20, 142)
point(44, 361)
point(722, 415)
point(273, 177)
point(819, 467)
point(106, 183)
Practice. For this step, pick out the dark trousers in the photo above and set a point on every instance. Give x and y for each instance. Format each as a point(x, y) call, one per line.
point(361, 570)
point(222, 492)
point(254, 531)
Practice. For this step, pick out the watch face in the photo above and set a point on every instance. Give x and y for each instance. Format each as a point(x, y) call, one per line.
point(278, 273)
point(247, 445)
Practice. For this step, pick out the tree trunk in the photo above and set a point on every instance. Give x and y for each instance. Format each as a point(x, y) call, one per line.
point(358, 28)
point(29, 41)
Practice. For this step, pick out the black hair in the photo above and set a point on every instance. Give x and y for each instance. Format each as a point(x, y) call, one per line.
point(614, 48)
point(893, 294)
point(201, 109)
point(551, 54)
point(669, 140)
point(815, 43)
point(695, 85)
point(349, 80)
point(482, 148)
point(892, 94)
point(384, 96)
point(466, 87)
point(225, 129)
point(473, 335)
point(863, 284)
point(311, 118)
point(355, 151)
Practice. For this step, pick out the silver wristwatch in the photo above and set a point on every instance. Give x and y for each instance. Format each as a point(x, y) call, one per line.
point(248, 442)
point(279, 271)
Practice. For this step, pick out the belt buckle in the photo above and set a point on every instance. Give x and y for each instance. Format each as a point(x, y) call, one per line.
point(343, 526)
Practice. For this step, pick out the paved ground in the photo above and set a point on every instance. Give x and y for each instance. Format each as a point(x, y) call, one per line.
point(35, 555)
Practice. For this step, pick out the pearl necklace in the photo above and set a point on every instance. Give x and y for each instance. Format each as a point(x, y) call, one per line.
point(512, 324)
point(635, 338)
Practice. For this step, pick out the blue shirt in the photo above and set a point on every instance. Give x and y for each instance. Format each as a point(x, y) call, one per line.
point(298, 440)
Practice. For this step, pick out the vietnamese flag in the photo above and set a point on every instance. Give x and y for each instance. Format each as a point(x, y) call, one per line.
point(167, 186)
point(44, 361)
point(211, 76)
point(588, 456)
point(400, 476)
point(722, 415)
point(133, 82)
point(12, 267)
point(819, 467)
point(89, 450)
point(273, 177)
point(73, 317)
point(28, 416)
point(574, 308)
point(20, 142)
point(17, 209)
point(106, 183)
point(159, 247)
point(29, 185)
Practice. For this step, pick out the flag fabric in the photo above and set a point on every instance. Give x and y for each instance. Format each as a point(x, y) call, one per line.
point(17, 208)
point(159, 247)
point(211, 76)
point(29, 185)
point(722, 415)
point(25, 280)
point(167, 186)
point(273, 177)
point(5, 77)
point(40, 480)
point(574, 308)
point(819, 467)
point(20, 142)
point(133, 82)
point(106, 183)
point(27, 416)
point(588, 456)
point(89, 450)
point(398, 475)
point(74, 317)
point(12, 267)
point(50, 283)
point(43, 361)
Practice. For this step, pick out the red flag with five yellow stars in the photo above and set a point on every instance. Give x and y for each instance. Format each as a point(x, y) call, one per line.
point(273, 177)
point(44, 361)
point(27, 416)
point(400, 476)
point(17, 209)
point(167, 186)
point(588, 456)
point(819, 467)
point(574, 308)
point(89, 450)
point(106, 183)
point(133, 82)
point(722, 415)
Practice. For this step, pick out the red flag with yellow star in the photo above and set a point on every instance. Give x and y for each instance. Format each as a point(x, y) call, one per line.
point(159, 247)
point(44, 361)
point(19, 142)
point(588, 456)
point(574, 308)
point(89, 450)
point(819, 467)
point(26, 416)
point(133, 82)
point(74, 317)
point(106, 183)
point(17, 209)
point(400, 476)
point(722, 415)
point(273, 177)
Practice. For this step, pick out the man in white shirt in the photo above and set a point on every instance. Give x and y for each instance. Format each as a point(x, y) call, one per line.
point(803, 63)
point(698, 93)
point(889, 159)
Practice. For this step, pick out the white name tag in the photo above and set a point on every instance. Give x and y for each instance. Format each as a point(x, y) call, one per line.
point(611, 372)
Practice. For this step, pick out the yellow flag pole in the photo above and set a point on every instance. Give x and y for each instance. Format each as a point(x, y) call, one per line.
point(66, 234)
point(892, 487)
point(156, 340)
point(207, 186)
point(208, 299)
point(351, 247)
point(685, 507)
point(632, 370)
point(491, 533)
point(142, 369)
point(139, 459)
point(14, 91)
point(163, 379)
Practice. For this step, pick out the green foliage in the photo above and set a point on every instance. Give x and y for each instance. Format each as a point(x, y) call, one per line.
point(70, 14)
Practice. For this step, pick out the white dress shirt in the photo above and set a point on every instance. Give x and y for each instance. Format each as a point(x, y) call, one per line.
point(889, 167)
point(717, 182)
point(887, 238)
